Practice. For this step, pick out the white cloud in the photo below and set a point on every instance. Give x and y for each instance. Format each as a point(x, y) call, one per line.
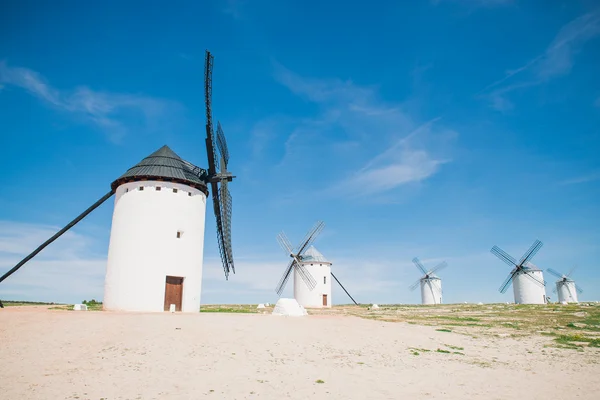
point(478, 3)
point(557, 60)
point(67, 270)
point(409, 166)
point(594, 176)
point(363, 125)
point(234, 8)
point(108, 111)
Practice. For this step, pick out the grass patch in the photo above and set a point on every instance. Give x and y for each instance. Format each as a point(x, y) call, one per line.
point(227, 310)
point(16, 303)
point(459, 353)
point(460, 319)
point(320, 381)
point(442, 351)
point(418, 349)
point(444, 330)
point(454, 347)
point(577, 341)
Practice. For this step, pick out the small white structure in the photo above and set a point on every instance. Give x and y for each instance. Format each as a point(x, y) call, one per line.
point(289, 307)
point(431, 284)
point(318, 266)
point(431, 290)
point(529, 289)
point(566, 291)
point(375, 307)
point(156, 247)
point(80, 307)
point(261, 306)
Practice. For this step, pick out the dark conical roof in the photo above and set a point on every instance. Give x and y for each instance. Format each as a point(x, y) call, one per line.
point(164, 165)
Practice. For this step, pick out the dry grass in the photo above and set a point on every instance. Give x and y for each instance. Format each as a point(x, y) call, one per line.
point(571, 326)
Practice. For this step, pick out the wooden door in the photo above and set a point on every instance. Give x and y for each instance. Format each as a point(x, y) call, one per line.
point(324, 299)
point(173, 292)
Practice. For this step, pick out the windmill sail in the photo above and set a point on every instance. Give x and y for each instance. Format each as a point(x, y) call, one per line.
point(217, 174)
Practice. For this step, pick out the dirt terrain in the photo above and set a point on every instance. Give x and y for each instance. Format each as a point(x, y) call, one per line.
point(348, 352)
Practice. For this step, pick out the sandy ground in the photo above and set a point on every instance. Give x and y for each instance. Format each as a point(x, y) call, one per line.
point(100, 355)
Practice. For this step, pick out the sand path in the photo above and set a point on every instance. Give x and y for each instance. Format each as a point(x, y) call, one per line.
point(101, 355)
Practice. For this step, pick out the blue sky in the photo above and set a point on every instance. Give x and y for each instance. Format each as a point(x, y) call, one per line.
point(433, 129)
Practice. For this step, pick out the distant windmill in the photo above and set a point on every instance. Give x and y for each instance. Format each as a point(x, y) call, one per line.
point(431, 285)
point(307, 263)
point(565, 286)
point(528, 280)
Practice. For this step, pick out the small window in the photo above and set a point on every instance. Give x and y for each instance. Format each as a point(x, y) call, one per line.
point(312, 265)
point(324, 280)
point(158, 188)
point(190, 194)
point(141, 188)
point(174, 190)
point(179, 233)
point(126, 190)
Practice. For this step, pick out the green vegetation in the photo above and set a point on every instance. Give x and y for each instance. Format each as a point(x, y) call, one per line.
point(14, 303)
point(442, 351)
point(577, 340)
point(454, 347)
point(319, 381)
point(244, 309)
point(418, 349)
point(497, 320)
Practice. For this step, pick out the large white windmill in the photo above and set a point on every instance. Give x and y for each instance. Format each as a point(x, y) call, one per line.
point(566, 287)
point(156, 249)
point(312, 271)
point(431, 284)
point(528, 280)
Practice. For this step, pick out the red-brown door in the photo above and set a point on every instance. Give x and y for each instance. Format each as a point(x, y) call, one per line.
point(173, 292)
point(324, 299)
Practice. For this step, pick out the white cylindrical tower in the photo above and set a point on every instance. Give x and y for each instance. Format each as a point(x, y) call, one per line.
point(431, 290)
point(320, 269)
point(566, 291)
point(156, 247)
point(526, 289)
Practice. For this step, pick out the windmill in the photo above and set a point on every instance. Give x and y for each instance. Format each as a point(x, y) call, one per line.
point(431, 284)
point(307, 263)
point(565, 287)
point(527, 280)
point(156, 249)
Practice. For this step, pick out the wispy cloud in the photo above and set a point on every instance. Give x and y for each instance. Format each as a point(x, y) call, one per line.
point(594, 176)
point(111, 112)
point(381, 142)
point(234, 8)
point(477, 3)
point(396, 166)
point(557, 60)
point(66, 271)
